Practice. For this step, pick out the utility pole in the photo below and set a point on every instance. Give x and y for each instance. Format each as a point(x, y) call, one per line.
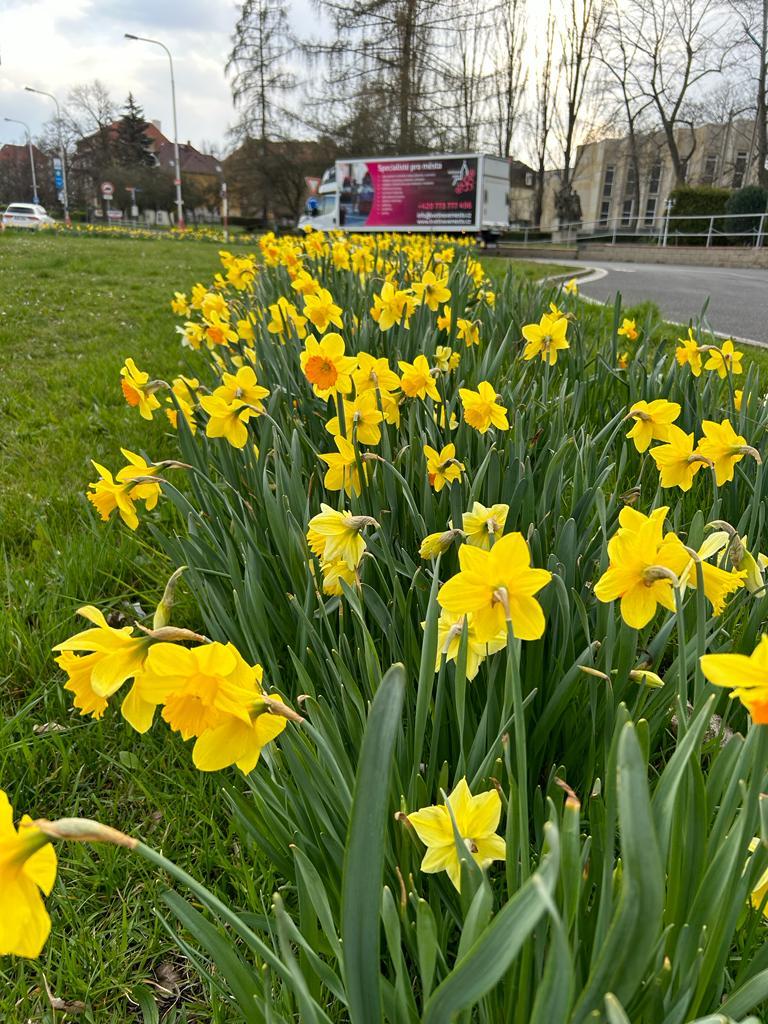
point(62, 154)
point(177, 181)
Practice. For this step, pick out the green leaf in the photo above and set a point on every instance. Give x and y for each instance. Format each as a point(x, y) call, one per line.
point(144, 999)
point(748, 997)
point(496, 949)
point(636, 925)
point(364, 857)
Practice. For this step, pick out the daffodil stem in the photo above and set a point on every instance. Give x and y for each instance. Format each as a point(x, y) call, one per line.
point(513, 687)
point(682, 663)
point(757, 494)
point(701, 633)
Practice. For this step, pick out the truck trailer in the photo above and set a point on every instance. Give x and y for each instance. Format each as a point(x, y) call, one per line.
point(453, 193)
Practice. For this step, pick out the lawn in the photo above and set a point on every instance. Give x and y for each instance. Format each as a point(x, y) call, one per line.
point(72, 310)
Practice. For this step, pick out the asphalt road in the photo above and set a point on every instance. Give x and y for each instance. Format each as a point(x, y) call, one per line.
point(738, 299)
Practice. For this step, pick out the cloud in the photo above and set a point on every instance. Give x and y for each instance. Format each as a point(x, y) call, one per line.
point(55, 48)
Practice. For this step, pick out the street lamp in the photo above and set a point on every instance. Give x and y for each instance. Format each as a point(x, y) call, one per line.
point(179, 203)
point(64, 194)
point(13, 120)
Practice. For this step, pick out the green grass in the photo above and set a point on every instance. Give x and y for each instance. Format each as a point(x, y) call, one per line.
point(72, 310)
point(496, 266)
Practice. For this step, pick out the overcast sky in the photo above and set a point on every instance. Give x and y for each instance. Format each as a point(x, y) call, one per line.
point(55, 44)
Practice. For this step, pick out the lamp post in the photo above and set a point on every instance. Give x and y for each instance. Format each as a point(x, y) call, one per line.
point(224, 204)
point(62, 154)
point(13, 120)
point(177, 182)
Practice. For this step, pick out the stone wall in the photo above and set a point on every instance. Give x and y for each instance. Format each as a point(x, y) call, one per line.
point(716, 256)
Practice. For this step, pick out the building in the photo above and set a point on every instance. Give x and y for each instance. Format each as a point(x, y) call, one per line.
point(522, 193)
point(201, 176)
point(615, 190)
point(16, 176)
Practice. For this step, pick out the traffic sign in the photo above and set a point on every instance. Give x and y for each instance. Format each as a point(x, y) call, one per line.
point(58, 174)
point(313, 184)
point(107, 189)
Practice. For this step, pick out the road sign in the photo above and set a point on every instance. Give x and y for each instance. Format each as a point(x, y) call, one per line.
point(107, 189)
point(58, 173)
point(313, 184)
point(115, 214)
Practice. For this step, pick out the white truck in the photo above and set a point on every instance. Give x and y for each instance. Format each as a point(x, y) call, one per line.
point(445, 192)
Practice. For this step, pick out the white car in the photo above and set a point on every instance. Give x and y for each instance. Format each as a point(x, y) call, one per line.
point(26, 215)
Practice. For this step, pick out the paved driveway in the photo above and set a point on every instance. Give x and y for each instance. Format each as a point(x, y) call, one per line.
point(738, 299)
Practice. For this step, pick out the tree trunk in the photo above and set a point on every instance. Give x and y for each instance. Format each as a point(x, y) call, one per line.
point(762, 103)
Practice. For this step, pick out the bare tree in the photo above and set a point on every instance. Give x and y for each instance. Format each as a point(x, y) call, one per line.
point(510, 75)
point(258, 66)
point(545, 90)
point(753, 23)
point(619, 56)
point(579, 34)
point(390, 43)
point(466, 74)
point(680, 43)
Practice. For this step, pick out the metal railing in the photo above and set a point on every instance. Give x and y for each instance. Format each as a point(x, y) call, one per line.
point(716, 229)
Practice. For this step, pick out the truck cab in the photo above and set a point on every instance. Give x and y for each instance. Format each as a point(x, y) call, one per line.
point(321, 210)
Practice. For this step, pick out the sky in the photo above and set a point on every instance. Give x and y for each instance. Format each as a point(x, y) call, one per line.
point(57, 44)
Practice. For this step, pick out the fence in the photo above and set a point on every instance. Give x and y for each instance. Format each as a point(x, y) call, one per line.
point(716, 229)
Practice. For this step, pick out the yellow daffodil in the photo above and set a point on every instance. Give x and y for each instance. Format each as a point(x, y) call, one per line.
point(321, 310)
point(227, 419)
point(107, 495)
point(99, 661)
point(214, 306)
point(27, 869)
point(325, 365)
point(183, 389)
point(343, 472)
point(340, 255)
point(431, 290)
point(435, 544)
point(284, 317)
point(179, 304)
point(391, 307)
point(446, 359)
point(496, 587)
point(738, 397)
point(336, 535)
point(444, 321)
point(138, 472)
point(676, 460)
point(373, 372)
point(219, 332)
point(628, 330)
point(442, 467)
point(725, 448)
point(571, 287)
point(468, 331)
point(652, 421)
point(725, 360)
point(449, 633)
point(622, 360)
point(481, 408)
point(139, 392)
point(417, 379)
point(362, 419)
point(484, 525)
point(305, 284)
point(334, 572)
point(690, 353)
point(242, 387)
point(477, 820)
point(745, 675)
point(638, 572)
point(546, 338)
point(212, 694)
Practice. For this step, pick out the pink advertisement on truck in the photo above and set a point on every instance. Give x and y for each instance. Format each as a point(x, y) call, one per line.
point(428, 193)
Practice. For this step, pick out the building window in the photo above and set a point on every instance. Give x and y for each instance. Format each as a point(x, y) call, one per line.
point(709, 173)
point(529, 179)
point(739, 168)
point(605, 205)
point(654, 185)
point(627, 209)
